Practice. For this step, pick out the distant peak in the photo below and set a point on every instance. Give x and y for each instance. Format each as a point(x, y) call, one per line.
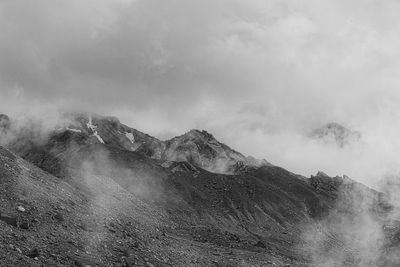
point(336, 132)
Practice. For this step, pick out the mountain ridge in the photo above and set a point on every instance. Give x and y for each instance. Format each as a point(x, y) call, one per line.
point(256, 216)
point(197, 147)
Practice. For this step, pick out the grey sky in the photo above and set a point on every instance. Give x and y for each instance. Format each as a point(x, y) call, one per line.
point(256, 73)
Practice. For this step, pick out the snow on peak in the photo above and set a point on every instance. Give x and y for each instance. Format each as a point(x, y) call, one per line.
point(90, 125)
point(93, 127)
point(74, 130)
point(98, 137)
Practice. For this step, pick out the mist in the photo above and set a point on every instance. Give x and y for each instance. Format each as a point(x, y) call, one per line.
point(258, 75)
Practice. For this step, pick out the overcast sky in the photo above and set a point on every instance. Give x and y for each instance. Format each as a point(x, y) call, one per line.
point(257, 74)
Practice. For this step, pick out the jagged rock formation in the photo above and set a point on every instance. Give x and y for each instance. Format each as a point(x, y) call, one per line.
point(336, 133)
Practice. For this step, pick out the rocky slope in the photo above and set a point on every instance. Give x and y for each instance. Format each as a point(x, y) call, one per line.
point(103, 197)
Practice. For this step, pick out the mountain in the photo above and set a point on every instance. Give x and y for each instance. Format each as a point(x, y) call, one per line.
point(336, 133)
point(96, 192)
point(201, 149)
point(195, 147)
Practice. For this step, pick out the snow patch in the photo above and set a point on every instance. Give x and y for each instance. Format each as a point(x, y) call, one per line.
point(74, 130)
point(98, 137)
point(94, 130)
point(90, 125)
point(130, 137)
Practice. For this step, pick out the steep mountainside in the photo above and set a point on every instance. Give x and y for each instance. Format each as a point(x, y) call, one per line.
point(106, 194)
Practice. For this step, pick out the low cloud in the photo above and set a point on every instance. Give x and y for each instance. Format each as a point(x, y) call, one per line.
point(256, 74)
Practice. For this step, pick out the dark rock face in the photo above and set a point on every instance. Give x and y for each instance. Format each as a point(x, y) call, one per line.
point(336, 133)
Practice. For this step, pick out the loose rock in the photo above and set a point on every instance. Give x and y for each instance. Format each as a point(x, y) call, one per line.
point(20, 209)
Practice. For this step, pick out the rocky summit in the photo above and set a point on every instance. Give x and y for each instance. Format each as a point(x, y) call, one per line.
point(91, 191)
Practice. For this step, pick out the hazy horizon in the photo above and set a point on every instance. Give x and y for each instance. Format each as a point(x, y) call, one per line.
point(259, 75)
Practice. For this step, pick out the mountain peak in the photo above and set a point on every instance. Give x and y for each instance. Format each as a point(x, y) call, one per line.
point(334, 132)
point(201, 149)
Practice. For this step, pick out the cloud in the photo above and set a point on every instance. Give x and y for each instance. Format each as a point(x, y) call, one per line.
point(257, 73)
